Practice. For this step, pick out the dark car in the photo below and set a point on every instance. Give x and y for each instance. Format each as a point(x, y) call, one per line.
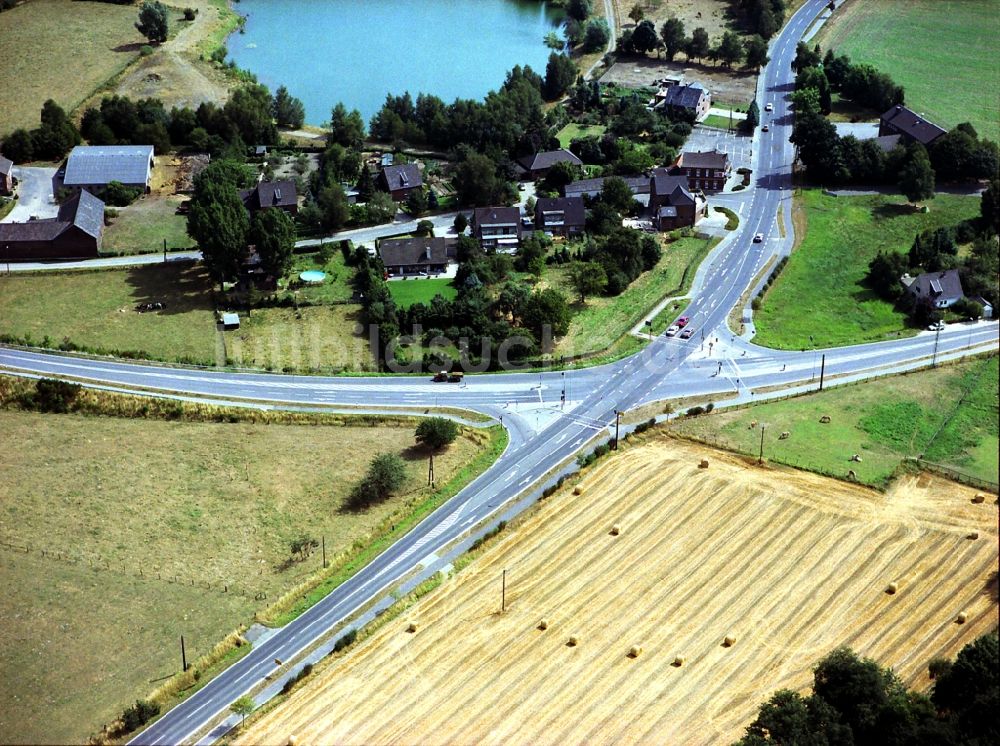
point(687, 334)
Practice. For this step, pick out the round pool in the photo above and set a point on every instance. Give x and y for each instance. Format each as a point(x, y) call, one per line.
point(312, 276)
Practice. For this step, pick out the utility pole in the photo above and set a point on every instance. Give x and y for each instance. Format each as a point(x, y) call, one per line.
point(324, 552)
point(430, 471)
point(760, 456)
point(937, 337)
point(164, 251)
point(618, 419)
point(562, 399)
point(822, 371)
point(184, 663)
point(503, 593)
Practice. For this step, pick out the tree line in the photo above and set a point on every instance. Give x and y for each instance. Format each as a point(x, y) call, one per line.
point(730, 49)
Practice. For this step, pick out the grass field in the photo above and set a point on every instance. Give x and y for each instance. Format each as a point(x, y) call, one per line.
point(336, 288)
point(143, 226)
point(948, 415)
point(574, 131)
point(922, 43)
point(790, 564)
point(43, 39)
point(97, 309)
point(818, 300)
point(714, 120)
point(408, 292)
point(216, 504)
point(602, 320)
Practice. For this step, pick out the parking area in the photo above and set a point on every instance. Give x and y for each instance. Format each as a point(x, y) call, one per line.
point(34, 195)
point(736, 145)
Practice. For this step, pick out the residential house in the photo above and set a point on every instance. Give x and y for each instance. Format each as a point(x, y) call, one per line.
point(414, 256)
point(913, 127)
point(690, 99)
point(560, 216)
point(888, 143)
point(400, 181)
point(939, 289)
point(705, 170)
point(537, 165)
point(74, 234)
point(672, 203)
point(6, 176)
point(280, 194)
point(497, 227)
point(93, 167)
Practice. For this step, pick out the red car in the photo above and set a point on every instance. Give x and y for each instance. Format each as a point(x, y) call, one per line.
point(682, 321)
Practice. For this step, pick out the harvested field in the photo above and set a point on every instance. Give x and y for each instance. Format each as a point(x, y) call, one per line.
point(788, 564)
point(735, 86)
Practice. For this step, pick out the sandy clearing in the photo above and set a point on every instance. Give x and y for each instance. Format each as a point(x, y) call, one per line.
point(790, 563)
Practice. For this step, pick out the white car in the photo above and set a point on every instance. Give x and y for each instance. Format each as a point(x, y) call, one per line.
point(765, 128)
point(768, 107)
point(758, 238)
point(936, 327)
point(672, 331)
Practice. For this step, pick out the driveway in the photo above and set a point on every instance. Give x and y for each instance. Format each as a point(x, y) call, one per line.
point(738, 146)
point(34, 192)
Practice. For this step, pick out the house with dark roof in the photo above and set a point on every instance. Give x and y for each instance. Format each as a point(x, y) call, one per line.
point(672, 203)
point(706, 170)
point(537, 165)
point(280, 194)
point(400, 181)
point(6, 176)
point(939, 289)
point(591, 188)
point(497, 227)
point(93, 167)
point(690, 99)
point(911, 126)
point(414, 256)
point(74, 234)
point(560, 216)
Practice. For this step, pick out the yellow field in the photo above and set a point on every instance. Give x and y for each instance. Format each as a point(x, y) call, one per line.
point(790, 564)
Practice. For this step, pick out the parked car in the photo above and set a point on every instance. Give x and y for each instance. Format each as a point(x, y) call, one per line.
point(687, 334)
point(758, 238)
point(672, 330)
point(768, 107)
point(682, 321)
point(936, 327)
point(765, 128)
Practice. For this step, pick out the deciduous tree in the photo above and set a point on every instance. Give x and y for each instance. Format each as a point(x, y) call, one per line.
point(587, 278)
point(672, 34)
point(273, 233)
point(152, 21)
point(436, 432)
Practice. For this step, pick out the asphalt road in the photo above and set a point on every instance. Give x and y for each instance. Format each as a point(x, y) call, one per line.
point(544, 430)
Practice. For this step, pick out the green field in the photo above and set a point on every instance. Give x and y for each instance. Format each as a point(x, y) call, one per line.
point(408, 292)
point(144, 226)
point(818, 300)
point(214, 503)
point(945, 53)
point(948, 415)
point(336, 288)
point(63, 50)
point(714, 120)
point(575, 131)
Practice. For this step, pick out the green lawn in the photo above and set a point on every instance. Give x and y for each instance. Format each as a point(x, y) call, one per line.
point(408, 292)
point(575, 131)
point(714, 120)
point(949, 415)
point(818, 300)
point(336, 288)
point(945, 53)
point(145, 225)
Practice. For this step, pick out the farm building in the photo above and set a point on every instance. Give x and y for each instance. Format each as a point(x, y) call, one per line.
point(400, 181)
point(280, 194)
point(672, 203)
point(705, 170)
point(497, 227)
point(6, 175)
point(75, 234)
point(93, 167)
point(537, 165)
point(414, 256)
point(560, 216)
point(911, 126)
point(592, 187)
point(690, 100)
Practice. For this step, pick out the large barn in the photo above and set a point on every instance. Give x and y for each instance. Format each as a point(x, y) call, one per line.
point(75, 234)
point(93, 167)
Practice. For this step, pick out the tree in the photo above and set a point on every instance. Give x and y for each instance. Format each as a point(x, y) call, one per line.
point(730, 49)
point(19, 146)
point(597, 35)
point(756, 52)
point(243, 707)
point(416, 202)
point(672, 34)
point(152, 21)
point(273, 233)
point(989, 206)
point(970, 691)
point(916, 179)
point(386, 474)
point(56, 134)
point(587, 278)
point(637, 13)
point(697, 46)
point(547, 310)
point(436, 432)
point(616, 192)
point(476, 182)
point(380, 208)
point(461, 223)
point(219, 222)
point(117, 194)
point(753, 117)
point(287, 110)
point(805, 57)
point(559, 175)
point(139, 714)
point(560, 75)
point(884, 272)
point(249, 111)
point(644, 37)
point(347, 128)
point(579, 9)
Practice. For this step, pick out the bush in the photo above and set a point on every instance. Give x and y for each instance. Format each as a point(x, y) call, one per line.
point(55, 396)
point(346, 641)
point(386, 474)
point(695, 411)
point(139, 714)
point(145, 50)
point(118, 195)
point(436, 432)
point(189, 14)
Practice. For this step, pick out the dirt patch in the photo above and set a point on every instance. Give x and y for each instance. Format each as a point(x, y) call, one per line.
point(731, 86)
point(789, 564)
point(711, 15)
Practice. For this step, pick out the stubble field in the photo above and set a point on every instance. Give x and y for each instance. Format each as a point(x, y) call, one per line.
point(790, 564)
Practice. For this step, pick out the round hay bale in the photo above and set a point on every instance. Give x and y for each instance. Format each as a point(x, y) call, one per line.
point(543, 624)
point(891, 588)
point(292, 740)
point(974, 535)
point(825, 419)
point(635, 651)
point(728, 641)
point(703, 464)
point(616, 529)
point(961, 617)
point(979, 498)
point(411, 626)
point(678, 661)
point(573, 641)
point(578, 490)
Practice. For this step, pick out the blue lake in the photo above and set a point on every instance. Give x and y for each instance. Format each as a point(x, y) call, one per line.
point(357, 51)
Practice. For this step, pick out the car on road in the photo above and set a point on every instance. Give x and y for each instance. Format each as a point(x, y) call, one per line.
point(765, 128)
point(936, 327)
point(769, 107)
point(443, 376)
point(672, 331)
point(682, 321)
point(687, 333)
point(758, 238)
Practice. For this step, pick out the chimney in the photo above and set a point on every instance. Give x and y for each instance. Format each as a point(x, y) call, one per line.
point(427, 252)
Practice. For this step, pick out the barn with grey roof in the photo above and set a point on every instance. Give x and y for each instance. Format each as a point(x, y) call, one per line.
point(75, 234)
point(93, 167)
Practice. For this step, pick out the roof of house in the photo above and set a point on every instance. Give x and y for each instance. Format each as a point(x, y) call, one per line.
point(5, 166)
point(270, 194)
point(405, 176)
point(935, 285)
point(912, 124)
point(83, 210)
point(888, 143)
point(593, 187)
point(667, 211)
point(548, 158)
point(674, 188)
point(102, 164)
point(398, 252)
point(496, 216)
point(685, 96)
point(565, 210)
point(703, 159)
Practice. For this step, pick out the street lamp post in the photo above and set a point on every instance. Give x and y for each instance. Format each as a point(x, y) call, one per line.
point(618, 419)
point(760, 456)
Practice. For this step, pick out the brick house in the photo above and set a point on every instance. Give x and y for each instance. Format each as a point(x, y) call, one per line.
point(497, 227)
point(537, 165)
point(672, 203)
point(705, 170)
point(6, 176)
point(75, 234)
point(400, 181)
point(909, 125)
point(414, 256)
point(280, 194)
point(689, 100)
point(560, 216)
